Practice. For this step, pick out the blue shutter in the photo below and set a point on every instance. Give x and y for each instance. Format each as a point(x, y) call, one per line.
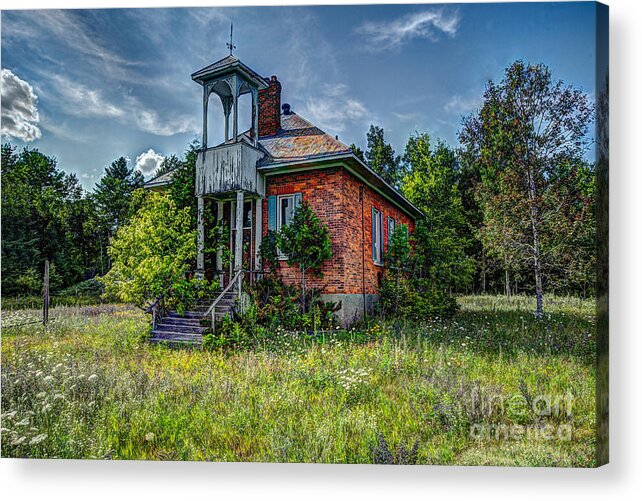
point(272, 213)
point(374, 232)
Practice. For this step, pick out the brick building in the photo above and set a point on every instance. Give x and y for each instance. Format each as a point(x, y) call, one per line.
point(255, 179)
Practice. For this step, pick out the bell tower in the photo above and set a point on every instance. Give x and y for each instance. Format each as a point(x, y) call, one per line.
point(227, 173)
point(229, 79)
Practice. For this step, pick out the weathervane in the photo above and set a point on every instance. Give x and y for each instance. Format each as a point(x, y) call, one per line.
point(231, 45)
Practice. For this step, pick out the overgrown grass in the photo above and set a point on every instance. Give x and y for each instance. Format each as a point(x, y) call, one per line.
point(451, 392)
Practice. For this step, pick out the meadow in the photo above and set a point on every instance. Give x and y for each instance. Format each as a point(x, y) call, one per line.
point(493, 386)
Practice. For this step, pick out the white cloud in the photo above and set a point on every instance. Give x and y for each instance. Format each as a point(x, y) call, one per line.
point(149, 161)
point(407, 117)
point(149, 121)
point(19, 108)
point(462, 105)
point(333, 108)
point(391, 35)
point(82, 101)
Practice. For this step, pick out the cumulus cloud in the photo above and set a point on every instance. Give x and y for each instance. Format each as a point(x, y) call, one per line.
point(19, 108)
point(149, 161)
point(333, 108)
point(391, 35)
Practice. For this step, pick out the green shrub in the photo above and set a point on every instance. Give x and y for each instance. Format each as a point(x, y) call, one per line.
point(414, 299)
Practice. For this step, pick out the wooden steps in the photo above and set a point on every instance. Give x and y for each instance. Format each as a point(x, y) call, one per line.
point(187, 329)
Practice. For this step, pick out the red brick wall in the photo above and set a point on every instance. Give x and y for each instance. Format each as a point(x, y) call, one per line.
point(270, 108)
point(334, 194)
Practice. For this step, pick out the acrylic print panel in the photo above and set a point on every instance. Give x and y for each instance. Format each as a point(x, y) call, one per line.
point(378, 237)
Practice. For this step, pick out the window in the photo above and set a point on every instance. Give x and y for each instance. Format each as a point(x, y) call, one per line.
point(281, 209)
point(392, 226)
point(377, 236)
point(286, 204)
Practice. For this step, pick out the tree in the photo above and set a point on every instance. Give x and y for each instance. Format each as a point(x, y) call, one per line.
point(358, 152)
point(167, 165)
point(182, 187)
point(440, 243)
point(306, 242)
point(152, 252)
point(380, 157)
point(114, 194)
point(40, 220)
point(527, 128)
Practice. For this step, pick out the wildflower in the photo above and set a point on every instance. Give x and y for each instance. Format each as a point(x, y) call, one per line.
point(150, 436)
point(18, 441)
point(37, 439)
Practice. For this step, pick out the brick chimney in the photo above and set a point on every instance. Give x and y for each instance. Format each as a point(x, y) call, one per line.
point(270, 108)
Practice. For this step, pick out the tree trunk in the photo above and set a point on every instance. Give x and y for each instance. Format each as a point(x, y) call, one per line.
point(537, 264)
point(507, 281)
point(484, 278)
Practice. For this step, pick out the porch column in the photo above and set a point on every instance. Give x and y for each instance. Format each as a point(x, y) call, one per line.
point(238, 242)
point(200, 246)
point(258, 232)
point(236, 110)
point(219, 252)
point(206, 97)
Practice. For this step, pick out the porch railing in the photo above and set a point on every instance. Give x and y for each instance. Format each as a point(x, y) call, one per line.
point(212, 309)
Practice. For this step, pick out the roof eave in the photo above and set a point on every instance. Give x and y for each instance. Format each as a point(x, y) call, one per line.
point(392, 194)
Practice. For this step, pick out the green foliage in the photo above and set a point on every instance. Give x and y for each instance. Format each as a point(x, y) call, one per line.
point(440, 237)
point(416, 299)
point(44, 216)
point(269, 252)
point(306, 242)
point(152, 252)
point(114, 194)
point(529, 133)
point(397, 257)
point(358, 152)
point(381, 158)
point(182, 187)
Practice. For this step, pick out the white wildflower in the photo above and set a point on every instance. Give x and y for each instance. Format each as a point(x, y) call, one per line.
point(37, 439)
point(18, 441)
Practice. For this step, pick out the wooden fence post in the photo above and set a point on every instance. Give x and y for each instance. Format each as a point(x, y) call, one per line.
point(45, 294)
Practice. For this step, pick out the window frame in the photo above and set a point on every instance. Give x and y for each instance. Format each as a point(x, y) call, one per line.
point(377, 237)
point(391, 227)
point(293, 198)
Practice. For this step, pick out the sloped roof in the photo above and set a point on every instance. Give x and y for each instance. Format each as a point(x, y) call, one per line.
point(223, 66)
point(299, 140)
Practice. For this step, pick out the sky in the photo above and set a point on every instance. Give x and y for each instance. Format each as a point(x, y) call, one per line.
point(89, 86)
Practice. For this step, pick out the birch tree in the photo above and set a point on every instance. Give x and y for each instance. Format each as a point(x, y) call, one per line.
point(530, 127)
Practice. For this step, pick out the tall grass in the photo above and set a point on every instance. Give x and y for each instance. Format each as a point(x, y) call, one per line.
point(91, 387)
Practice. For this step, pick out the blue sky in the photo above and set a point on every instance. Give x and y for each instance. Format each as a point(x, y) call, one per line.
point(88, 86)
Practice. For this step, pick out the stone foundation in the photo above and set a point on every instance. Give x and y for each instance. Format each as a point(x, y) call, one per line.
point(352, 306)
